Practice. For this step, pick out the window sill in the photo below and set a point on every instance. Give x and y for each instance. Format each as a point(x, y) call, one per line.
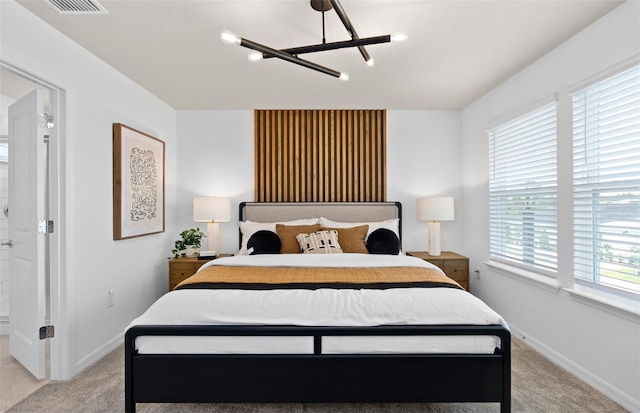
point(627, 309)
point(530, 277)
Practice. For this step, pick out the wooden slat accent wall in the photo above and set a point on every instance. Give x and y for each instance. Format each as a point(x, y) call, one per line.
point(320, 155)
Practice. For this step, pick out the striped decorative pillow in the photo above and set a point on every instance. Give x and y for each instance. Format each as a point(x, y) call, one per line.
point(320, 242)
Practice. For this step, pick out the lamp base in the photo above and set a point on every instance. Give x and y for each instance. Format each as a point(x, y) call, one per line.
point(434, 238)
point(213, 236)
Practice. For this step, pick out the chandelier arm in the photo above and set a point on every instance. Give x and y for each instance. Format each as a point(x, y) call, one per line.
point(350, 29)
point(265, 50)
point(324, 39)
point(333, 45)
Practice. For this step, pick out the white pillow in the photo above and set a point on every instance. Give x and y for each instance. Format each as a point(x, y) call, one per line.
point(391, 224)
point(320, 242)
point(248, 228)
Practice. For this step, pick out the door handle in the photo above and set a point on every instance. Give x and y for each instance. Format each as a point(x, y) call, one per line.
point(6, 242)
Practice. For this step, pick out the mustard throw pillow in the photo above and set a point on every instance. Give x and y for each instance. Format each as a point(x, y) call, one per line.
point(287, 234)
point(352, 239)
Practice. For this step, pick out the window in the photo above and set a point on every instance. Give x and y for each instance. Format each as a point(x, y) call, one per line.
point(523, 191)
point(606, 181)
point(4, 152)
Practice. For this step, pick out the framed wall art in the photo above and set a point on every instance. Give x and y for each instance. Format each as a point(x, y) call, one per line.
point(138, 183)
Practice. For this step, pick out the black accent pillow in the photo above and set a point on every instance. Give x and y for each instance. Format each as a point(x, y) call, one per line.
point(264, 242)
point(383, 241)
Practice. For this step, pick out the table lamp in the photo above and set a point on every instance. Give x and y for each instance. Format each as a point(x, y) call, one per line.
point(212, 210)
point(435, 210)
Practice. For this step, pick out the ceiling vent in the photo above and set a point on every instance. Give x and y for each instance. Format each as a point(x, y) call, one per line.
point(77, 6)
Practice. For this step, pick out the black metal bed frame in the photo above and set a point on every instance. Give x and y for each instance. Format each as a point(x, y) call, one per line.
point(318, 377)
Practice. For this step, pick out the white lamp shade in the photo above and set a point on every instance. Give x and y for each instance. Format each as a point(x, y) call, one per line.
point(435, 209)
point(211, 209)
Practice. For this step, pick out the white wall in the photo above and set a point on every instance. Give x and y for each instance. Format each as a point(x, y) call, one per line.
point(216, 159)
point(97, 96)
point(423, 159)
point(600, 347)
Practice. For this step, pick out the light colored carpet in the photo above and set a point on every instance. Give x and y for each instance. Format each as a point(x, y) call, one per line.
point(537, 386)
point(16, 382)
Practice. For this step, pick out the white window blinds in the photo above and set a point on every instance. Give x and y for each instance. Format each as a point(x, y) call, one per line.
point(523, 191)
point(606, 179)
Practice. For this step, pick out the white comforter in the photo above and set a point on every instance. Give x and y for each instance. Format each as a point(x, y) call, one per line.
point(322, 307)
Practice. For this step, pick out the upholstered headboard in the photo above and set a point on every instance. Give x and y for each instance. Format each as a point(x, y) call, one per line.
point(335, 211)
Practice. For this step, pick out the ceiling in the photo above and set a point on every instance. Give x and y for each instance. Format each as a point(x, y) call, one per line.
point(457, 50)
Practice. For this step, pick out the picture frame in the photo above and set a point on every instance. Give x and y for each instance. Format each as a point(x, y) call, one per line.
point(138, 183)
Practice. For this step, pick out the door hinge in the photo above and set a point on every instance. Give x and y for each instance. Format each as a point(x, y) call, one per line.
point(47, 332)
point(45, 227)
point(45, 121)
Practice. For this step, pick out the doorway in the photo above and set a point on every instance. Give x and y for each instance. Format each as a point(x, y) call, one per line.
point(14, 85)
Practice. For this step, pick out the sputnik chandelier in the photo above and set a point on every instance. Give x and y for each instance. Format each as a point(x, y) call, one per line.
point(291, 54)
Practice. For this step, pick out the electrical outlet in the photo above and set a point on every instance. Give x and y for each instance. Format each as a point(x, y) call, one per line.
point(477, 273)
point(111, 296)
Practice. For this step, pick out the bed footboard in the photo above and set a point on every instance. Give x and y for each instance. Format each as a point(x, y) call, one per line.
point(318, 377)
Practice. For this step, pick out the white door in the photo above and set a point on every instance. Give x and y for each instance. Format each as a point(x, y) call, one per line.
point(26, 255)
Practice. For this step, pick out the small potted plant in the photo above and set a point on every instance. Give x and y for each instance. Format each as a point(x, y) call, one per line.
point(189, 244)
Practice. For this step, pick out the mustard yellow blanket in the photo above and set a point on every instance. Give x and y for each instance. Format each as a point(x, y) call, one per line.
point(250, 277)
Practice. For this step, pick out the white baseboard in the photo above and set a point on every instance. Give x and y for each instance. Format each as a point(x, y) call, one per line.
point(99, 353)
point(594, 381)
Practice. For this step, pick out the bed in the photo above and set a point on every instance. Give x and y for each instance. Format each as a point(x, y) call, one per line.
point(272, 336)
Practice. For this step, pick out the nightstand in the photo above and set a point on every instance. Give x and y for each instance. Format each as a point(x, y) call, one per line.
point(456, 266)
point(184, 267)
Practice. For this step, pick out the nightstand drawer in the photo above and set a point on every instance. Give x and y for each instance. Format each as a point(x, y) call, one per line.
point(458, 270)
point(180, 268)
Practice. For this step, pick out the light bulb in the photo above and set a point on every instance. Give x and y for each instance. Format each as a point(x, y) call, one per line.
point(400, 37)
point(255, 57)
point(344, 76)
point(371, 62)
point(230, 37)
